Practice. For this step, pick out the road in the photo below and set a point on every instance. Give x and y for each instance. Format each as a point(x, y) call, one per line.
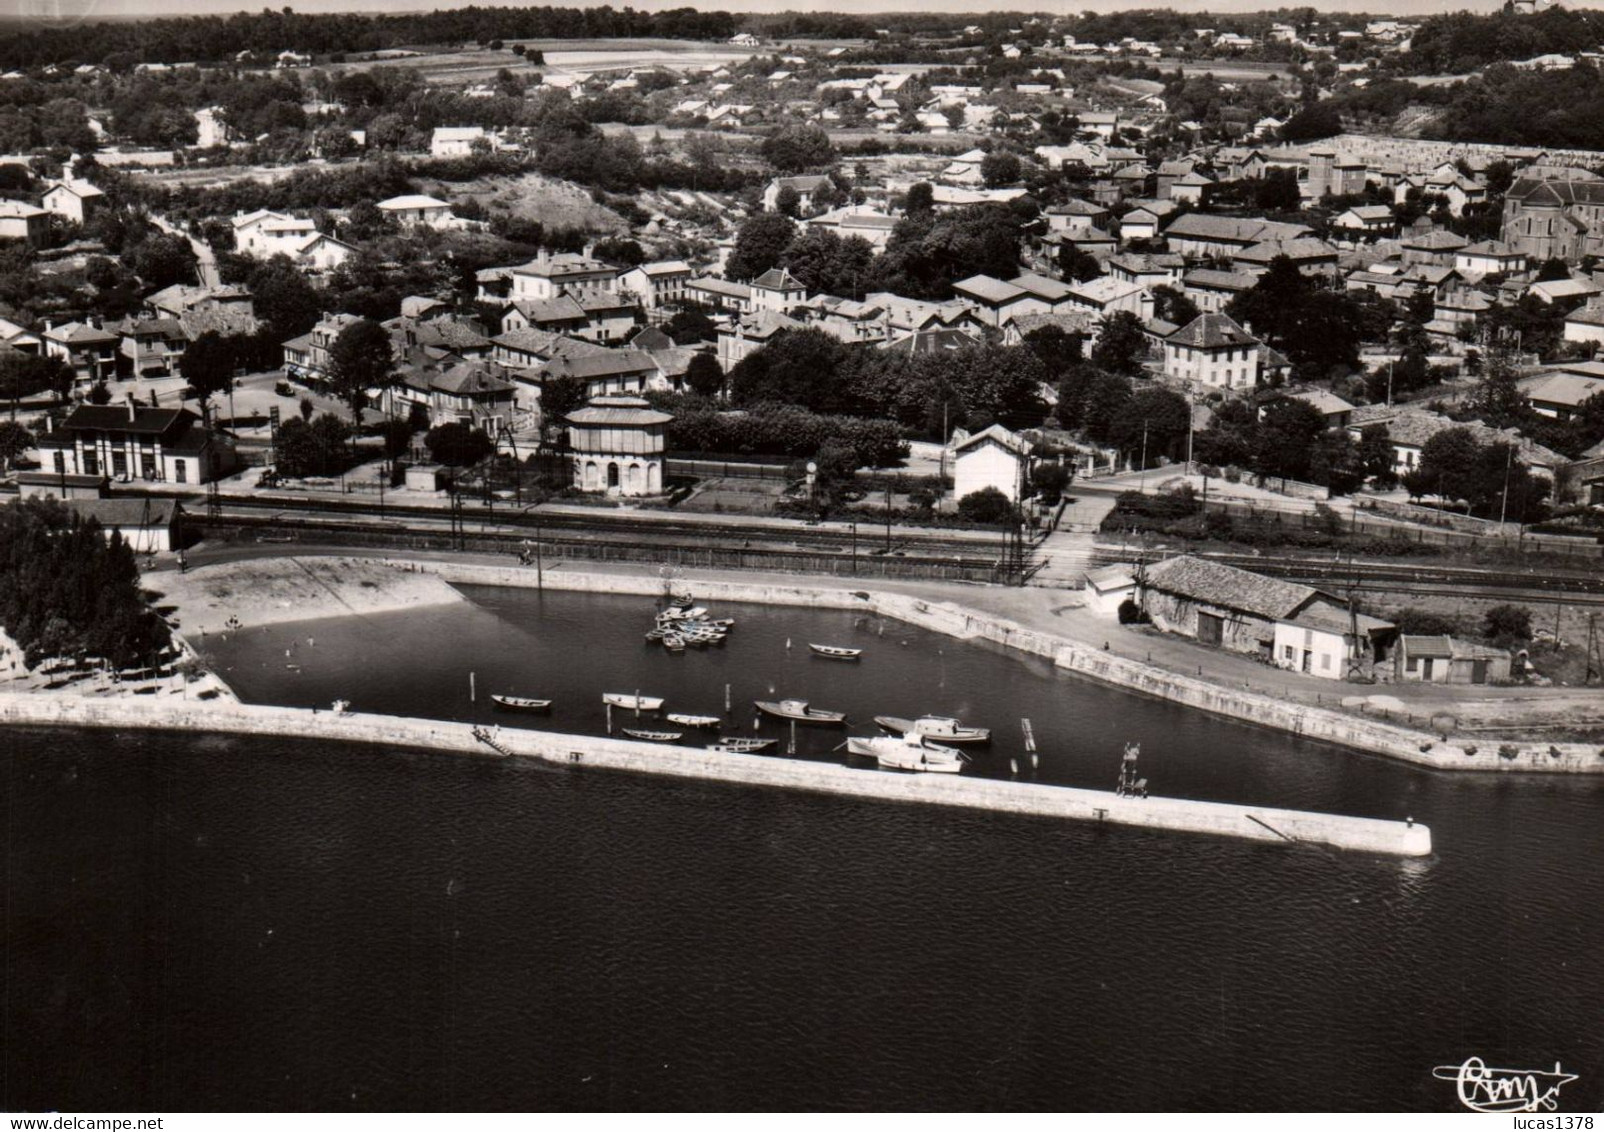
point(206, 259)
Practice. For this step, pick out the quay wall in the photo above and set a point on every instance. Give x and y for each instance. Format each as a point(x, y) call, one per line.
point(1346, 729)
point(583, 751)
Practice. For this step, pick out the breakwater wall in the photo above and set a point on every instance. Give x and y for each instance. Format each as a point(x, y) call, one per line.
point(1286, 827)
point(1327, 725)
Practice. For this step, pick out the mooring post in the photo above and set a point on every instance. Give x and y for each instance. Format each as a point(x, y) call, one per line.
point(726, 699)
point(791, 749)
point(609, 719)
point(473, 691)
point(637, 703)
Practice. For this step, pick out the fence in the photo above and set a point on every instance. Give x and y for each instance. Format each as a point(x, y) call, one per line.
point(724, 469)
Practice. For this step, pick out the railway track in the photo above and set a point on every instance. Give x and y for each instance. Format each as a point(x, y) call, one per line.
point(605, 523)
point(1579, 587)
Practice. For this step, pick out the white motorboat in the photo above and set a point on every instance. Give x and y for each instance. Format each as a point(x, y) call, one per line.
point(685, 720)
point(910, 752)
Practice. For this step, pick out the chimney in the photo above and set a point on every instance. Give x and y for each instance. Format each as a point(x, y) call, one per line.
point(133, 409)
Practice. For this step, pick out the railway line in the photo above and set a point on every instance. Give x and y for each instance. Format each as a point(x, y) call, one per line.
point(1571, 587)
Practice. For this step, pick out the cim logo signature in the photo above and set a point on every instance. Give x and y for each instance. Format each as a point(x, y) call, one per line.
point(1484, 1088)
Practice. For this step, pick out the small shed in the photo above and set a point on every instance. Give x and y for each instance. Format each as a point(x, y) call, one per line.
point(1441, 659)
point(618, 445)
point(992, 457)
point(1109, 587)
point(147, 525)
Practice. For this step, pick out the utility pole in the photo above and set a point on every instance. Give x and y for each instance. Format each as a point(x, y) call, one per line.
point(1389, 383)
point(1143, 486)
point(1509, 460)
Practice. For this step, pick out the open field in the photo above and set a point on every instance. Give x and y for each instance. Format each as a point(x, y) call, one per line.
point(555, 204)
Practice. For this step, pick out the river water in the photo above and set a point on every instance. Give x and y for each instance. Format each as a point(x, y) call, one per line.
point(227, 922)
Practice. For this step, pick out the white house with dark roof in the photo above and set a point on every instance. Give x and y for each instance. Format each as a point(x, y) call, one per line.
point(1489, 257)
point(657, 284)
point(73, 199)
point(777, 290)
point(417, 211)
point(992, 457)
point(20, 220)
point(806, 188)
point(89, 350)
point(1200, 234)
point(1212, 350)
point(136, 443)
point(549, 276)
point(1213, 290)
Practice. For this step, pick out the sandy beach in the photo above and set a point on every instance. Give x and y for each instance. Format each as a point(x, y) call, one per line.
point(217, 598)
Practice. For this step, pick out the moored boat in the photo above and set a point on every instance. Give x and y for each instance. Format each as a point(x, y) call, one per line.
point(739, 745)
point(685, 720)
point(653, 736)
point(520, 703)
point(910, 752)
point(836, 652)
point(942, 727)
point(800, 711)
point(632, 701)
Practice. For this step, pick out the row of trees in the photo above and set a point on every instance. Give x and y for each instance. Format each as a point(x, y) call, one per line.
point(927, 253)
point(972, 386)
point(66, 590)
point(778, 429)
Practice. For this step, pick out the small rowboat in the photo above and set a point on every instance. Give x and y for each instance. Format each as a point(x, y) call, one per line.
point(942, 727)
point(740, 746)
point(520, 703)
point(632, 702)
point(836, 652)
point(654, 736)
point(673, 642)
point(799, 711)
point(693, 720)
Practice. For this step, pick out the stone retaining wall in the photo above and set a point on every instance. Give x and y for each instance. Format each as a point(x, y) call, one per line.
point(584, 751)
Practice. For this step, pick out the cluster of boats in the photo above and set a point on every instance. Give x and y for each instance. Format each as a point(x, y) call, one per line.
point(682, 625)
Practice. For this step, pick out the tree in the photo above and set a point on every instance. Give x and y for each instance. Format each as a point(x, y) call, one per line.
point(921, 200)
point(161, 260)
point(788, 202)
point(1078, 264)
point(1057, 349)
point(759, 245)
point(1321, 120)
point(704, 376)
point(360, 360)
point(796, 149)
point(397, 436)
point(457, 445)
point(1499, 401)
point(283, 299)
point(1050, 480)
point(798, 367)
point(828, 264)
point(1286, 434)
point(208, 367)
point(621, 253)
point(14, 441)
point(1376, 457)
point(1508, 624)
point(1121, 343)
point(99, 394)
point(690, 327)
point(1173, 306)
point(1152, 418)
point(1000, 168)
point(312, 448)
point(559, 397)
point(988, 505)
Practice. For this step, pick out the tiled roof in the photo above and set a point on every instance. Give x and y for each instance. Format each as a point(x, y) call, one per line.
point(1213, 332)
point(989, 290)
point(1218, 584)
